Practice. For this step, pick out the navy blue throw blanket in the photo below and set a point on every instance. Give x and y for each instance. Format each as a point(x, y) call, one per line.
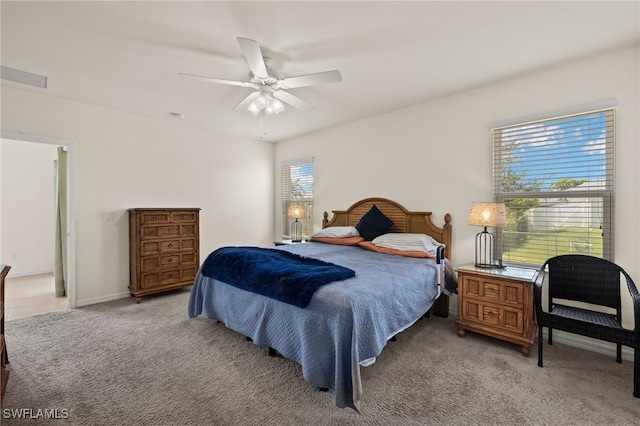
point(278, 274)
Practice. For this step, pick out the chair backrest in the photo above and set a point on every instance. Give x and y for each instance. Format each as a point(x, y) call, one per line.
point(584, 279)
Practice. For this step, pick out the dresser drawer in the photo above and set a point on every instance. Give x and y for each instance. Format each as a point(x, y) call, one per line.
point(189, 273)
point(188, 244)
point(160, 246)
point(166, 231)
point(189, 230)
point(170, 260)
point(150, 263)
point(186, 216)
point(149, 217)
point(161, 278)
point(189, 259)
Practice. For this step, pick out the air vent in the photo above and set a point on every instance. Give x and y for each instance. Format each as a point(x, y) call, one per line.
point(23, 77)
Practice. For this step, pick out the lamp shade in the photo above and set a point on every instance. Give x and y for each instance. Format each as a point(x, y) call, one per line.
point(487, 214)
point(296, 211)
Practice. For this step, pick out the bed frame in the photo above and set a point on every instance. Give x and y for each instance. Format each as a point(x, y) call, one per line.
point(403, 221)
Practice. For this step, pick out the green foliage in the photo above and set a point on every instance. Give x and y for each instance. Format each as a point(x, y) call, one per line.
point(296, 190)
point(566, 183)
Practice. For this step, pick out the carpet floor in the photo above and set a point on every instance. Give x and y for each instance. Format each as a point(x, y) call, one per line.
point(120, 363)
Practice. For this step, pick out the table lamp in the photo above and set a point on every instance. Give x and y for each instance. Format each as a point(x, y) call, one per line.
point(486, 214)
point(296, 211)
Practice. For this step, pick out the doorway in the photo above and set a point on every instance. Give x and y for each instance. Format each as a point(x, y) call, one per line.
point(30, 283)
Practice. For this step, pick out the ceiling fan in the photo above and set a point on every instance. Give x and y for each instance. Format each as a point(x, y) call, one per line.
point(270, 88)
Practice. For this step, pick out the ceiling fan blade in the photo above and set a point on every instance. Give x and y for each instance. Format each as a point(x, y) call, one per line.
point(253, 55)
point(244, 105)
point(222, 81)
point(311, 79)
point(294, 101)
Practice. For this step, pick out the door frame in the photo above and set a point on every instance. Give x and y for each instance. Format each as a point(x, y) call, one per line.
point(71, 203)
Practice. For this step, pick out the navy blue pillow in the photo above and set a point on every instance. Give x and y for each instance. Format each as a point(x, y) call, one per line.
point(373, 224)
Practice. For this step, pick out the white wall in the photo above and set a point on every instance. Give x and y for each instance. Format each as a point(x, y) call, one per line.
point(27, 205)
point(437, 155)
point(126, 160)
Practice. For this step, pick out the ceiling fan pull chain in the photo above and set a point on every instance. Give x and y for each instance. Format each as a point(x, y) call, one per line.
point(263, 130)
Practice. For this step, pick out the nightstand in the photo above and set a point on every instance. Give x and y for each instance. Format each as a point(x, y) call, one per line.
point(498, 303)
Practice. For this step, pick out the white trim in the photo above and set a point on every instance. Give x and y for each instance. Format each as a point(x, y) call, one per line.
point(71, 203)
point(87, 302)
point(29, 274)
point(580, 109)
point(297, 161)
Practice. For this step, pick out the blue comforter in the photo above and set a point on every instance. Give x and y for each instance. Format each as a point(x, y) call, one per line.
point(284, 276)
point(345, 325)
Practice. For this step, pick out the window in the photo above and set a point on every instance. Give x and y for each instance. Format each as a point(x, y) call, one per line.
point(555, 177)
point(297, 190)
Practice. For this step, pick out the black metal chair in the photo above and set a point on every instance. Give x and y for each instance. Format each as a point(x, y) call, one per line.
point(590, 280)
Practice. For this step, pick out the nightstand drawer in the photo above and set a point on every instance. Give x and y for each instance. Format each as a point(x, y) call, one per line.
point(511, 320)
point(504, 292)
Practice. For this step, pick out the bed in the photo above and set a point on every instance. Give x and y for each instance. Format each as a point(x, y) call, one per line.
point(347, 323)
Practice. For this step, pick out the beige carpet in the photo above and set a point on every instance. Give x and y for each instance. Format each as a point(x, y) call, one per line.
point(119, 363)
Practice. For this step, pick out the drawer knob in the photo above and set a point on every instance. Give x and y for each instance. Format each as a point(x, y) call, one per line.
point(155, 217)
point(184, 216)
point(170, 260)
point(170, 245)
point(170, 275)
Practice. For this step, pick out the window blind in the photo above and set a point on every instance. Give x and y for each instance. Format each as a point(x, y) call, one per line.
point(297, 190)
point(556, 178)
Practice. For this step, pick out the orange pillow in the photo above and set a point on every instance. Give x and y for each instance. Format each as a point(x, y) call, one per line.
point(368, 245)
point(345, 241)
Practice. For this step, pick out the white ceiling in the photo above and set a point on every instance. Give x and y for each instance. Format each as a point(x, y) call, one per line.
point(127, 55)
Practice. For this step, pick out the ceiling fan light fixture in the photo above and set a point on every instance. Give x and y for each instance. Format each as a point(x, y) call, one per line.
point(261, 101)
point(277, 106)
point(267, 103)
point(253, 109)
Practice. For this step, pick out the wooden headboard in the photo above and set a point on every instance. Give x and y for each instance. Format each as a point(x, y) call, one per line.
point(403, 220)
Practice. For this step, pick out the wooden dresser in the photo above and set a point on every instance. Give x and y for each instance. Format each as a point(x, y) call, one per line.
point(498, 303)
point(4, 358)
point(164, 251)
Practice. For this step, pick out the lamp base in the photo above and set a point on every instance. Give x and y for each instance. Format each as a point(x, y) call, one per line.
point(490, 265)
point(484, 251)
point(296, 231)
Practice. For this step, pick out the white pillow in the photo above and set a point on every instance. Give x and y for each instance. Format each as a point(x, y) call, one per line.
point(337, 232)
point(407, 242)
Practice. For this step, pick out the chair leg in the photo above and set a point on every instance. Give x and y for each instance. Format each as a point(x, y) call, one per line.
point(550, 336)
point(540, 343)
point(636, 371)
point(619, 354)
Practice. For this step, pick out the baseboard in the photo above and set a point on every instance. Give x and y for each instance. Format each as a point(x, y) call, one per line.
point(29, 274)
point(594, 345)
point(103, 299)
point(577, 341)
